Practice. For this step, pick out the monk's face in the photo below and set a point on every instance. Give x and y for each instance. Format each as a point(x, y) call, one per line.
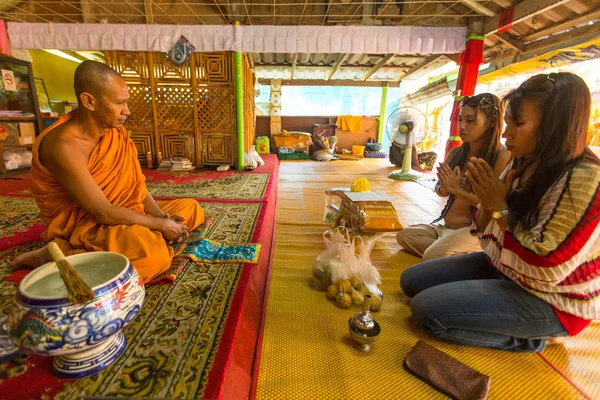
point(112, 108)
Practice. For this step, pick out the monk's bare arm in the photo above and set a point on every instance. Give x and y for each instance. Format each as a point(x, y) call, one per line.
point(70, 166)
point(151, 208)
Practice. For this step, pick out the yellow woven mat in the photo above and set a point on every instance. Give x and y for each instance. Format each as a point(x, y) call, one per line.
point(307, 351)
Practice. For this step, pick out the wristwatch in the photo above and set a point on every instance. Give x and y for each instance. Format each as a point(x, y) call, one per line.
point(499, 214)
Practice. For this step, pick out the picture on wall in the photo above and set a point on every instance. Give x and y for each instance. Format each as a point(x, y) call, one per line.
point(42, 95)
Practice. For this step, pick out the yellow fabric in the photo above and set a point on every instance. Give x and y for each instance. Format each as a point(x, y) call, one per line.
point(307, 351)
point(113, 165)
point(294, 140)
point(352, 123)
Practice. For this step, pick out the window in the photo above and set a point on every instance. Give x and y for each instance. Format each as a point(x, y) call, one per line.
point(330, 100)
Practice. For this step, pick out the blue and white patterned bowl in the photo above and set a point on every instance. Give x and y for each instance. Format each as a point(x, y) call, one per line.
point(86, 338)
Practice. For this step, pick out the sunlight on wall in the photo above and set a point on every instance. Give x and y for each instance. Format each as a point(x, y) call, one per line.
point(57, 74)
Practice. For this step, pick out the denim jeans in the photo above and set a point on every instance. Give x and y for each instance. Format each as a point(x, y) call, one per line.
point(464, 300)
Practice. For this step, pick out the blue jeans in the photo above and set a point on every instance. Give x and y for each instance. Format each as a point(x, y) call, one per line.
point(463, 299)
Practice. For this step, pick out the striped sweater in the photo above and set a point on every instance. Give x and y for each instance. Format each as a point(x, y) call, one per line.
point(558, 260)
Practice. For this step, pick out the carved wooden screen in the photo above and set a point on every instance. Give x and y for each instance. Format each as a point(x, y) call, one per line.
point(181, 111)
point(174, 108)
point(215, 105)
point(249, 119)
point(133, 67)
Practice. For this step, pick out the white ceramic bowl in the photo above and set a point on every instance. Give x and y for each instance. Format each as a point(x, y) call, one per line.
point(86, 337)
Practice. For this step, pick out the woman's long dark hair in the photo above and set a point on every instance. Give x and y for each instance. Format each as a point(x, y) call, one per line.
point(493, 109)
point(565, 103)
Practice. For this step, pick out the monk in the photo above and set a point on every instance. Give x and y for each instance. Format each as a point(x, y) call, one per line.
point(89, 186)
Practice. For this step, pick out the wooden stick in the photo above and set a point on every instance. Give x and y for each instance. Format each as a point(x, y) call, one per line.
point(78, 290)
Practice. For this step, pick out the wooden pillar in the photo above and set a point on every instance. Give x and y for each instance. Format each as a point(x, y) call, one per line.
point(382, 105)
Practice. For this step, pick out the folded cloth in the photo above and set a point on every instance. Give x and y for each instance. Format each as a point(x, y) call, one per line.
point(212, 252)
point(352, 123)
point(446, 373)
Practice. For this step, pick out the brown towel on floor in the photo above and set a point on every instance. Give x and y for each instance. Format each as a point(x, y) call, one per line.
point(446, 373)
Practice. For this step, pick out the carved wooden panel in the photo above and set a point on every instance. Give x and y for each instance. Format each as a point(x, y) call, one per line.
point(140, 108)
point(131, 65)
point(214, 67)
point(217, 148)
point(177, 145)
point(174, 108)
point(216, 109)
point(143, 144)
point(167, 72)
point(185, 111)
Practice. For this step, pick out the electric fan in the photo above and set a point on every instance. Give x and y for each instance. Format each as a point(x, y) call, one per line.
point(405, 127)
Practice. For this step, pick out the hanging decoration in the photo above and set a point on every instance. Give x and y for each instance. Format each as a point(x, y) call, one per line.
point(181, 51)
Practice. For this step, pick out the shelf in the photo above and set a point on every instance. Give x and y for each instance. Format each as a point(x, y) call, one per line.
point(13, 172)
point(18, 118)
point(18, 146)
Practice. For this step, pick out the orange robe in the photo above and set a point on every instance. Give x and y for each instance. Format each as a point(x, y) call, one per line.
point(114, 166)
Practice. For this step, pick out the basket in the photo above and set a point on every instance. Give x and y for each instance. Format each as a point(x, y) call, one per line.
point(374, 147)
point(297, 155)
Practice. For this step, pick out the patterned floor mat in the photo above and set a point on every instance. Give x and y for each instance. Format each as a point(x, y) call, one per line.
point(173, 341)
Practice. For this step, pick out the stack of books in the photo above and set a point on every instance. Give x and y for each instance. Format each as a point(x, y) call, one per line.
point(165, 165)
point(181, 164)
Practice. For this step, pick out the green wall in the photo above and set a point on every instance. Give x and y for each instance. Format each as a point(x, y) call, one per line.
point(57, 74)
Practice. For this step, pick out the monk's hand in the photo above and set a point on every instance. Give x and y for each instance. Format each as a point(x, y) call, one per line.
point(176, 218)
point(491, 191)
point(173, 231)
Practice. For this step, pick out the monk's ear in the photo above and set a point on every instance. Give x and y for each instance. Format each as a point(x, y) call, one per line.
point(88, 100)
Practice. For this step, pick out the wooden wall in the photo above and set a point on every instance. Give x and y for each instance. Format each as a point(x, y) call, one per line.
point(182, 111)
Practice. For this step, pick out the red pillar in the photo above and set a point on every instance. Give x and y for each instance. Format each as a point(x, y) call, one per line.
point(470, 60)
point(4, 49)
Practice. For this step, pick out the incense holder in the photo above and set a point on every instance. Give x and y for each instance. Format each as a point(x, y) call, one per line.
point(85, 338)
point(363, 327)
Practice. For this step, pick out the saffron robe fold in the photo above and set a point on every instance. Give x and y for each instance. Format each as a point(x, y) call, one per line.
point(114, 167)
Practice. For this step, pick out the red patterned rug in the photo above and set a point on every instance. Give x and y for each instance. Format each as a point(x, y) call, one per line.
point(185, 342)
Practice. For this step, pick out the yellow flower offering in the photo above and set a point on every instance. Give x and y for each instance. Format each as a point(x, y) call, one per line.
point(360, 185)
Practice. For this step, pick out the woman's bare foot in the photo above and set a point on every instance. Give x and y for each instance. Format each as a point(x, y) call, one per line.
point(32, 259)
point(555, 340)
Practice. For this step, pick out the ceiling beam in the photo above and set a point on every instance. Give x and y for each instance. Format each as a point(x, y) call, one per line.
point(337, 65)
point(481, 9)
point(504, 3)
point(427, 63)
point(574, 38)
point(336, 82)
point(581, 35)
point(148, 12)
point(377, 66)
point(510, 41)
point(86, 11)
point(563, 25)
point(524, 10)
point(294, 66)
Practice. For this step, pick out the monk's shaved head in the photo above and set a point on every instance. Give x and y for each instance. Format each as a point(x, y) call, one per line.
point(92, 77)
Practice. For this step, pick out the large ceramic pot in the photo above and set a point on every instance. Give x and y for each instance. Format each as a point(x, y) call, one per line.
point(86, 338)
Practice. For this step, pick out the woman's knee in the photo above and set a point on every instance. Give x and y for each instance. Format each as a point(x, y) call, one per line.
point(402, 236)
point(434, 252)
point(425, 313)
point(410, 280)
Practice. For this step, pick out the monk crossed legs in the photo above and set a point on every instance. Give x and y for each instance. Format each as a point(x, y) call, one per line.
point(89, 186)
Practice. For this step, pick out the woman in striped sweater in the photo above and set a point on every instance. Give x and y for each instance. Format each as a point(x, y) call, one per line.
point(538, 277)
